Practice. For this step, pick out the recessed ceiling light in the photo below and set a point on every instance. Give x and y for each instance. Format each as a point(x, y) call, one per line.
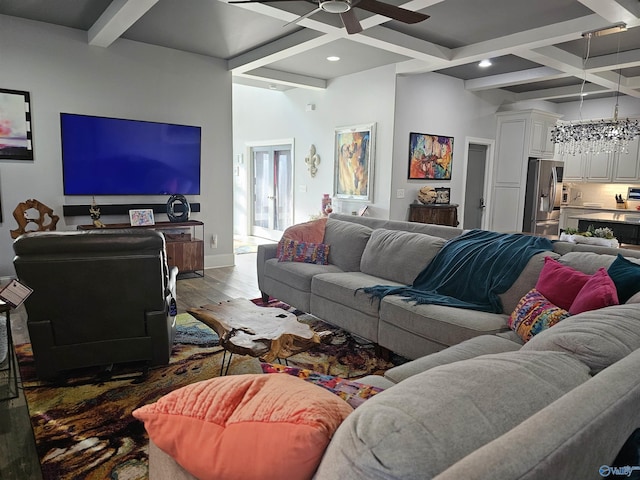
point(333, 58)
point(485, 63)
point(273, 86)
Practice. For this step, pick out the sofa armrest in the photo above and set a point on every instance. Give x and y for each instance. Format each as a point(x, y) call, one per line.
point(474, 347)
point(265, 252)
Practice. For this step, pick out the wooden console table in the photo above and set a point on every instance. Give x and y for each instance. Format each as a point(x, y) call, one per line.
point(184, 242)
point(440, 214)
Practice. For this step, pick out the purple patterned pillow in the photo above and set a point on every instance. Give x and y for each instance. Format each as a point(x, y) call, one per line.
point(295, 251)
point(533, 314)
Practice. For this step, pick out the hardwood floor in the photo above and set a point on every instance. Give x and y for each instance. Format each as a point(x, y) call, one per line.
point(18, 458)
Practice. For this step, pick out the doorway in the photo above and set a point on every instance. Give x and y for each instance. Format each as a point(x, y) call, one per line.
point(271, 190)
point(478, 162)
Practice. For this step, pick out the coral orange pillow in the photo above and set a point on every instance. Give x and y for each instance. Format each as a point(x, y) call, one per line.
point(598, 292)
point(246, 426)
point(559, 283)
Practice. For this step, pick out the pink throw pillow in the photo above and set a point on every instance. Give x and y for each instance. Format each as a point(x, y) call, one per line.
point(598, 292)
point(559, 283)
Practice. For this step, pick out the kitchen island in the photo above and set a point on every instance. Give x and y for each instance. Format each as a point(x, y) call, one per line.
point(625, 224)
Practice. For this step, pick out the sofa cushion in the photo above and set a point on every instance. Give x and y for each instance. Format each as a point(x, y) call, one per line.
point(347, 241)
point(227, 427)
point(534, 314)
point(625, 274)
point(598, 292)
point(438, 323)
point(345, 289)
point(421, 426)
point(598, 338)
point(398, 256)
point(587, 262)
point(474, 347)
point(525, 282)
point(296, 274)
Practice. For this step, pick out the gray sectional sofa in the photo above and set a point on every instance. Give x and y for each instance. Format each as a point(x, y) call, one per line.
point(366, 251)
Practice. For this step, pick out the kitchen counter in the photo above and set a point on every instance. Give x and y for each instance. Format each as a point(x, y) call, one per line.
point(610, 216)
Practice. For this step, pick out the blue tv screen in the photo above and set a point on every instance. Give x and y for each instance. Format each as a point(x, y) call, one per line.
point(113, 156)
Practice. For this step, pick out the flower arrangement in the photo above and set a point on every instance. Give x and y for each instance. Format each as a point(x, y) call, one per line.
point(595, 236)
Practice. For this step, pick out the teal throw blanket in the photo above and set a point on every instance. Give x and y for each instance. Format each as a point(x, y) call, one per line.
point(470, 271)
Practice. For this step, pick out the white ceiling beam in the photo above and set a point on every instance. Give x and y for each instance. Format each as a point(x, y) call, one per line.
point(402, 44)
point(522, 77)
point(285, 78)
point(298, 42)
point(116, 19)
point(628, 59)
point(612, 11)
point(561, 92)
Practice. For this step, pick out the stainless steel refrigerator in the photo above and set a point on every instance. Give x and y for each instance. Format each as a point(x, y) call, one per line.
point(543, 197)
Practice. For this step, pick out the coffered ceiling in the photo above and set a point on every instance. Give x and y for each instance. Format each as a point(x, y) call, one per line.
point(537, 47)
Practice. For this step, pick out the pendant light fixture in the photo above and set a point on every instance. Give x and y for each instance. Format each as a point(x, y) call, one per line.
point(596, 136)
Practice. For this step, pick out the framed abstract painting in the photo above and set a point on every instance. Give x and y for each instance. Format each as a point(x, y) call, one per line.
point(354, 158)
point(16, 142)
point(430, 157)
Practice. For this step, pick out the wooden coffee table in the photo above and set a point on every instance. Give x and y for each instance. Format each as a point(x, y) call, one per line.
point(263, 332)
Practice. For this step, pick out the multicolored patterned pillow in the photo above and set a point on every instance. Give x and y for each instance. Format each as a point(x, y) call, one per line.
point(533, 314)
point(295, 251)
point(354, 393)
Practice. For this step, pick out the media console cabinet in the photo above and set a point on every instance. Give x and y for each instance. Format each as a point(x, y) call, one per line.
point(184, 240)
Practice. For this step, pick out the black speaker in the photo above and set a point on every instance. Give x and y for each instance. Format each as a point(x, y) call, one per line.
point(171, 208)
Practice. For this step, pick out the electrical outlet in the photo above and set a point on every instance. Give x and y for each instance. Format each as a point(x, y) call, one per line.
point(579, 195)
point(214, 241)
point(400, 193)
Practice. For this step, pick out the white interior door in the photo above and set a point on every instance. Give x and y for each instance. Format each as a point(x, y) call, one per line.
point(475, 201)
point(272, 193)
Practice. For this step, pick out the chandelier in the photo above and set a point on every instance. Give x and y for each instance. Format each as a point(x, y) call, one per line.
point(596, 136)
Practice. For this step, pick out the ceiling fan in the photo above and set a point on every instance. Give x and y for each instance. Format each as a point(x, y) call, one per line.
point(345, 9)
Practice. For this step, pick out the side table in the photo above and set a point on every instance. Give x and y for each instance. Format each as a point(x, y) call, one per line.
point(10, 371)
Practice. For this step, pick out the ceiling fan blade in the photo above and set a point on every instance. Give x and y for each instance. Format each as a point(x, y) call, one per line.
point(351, 22)
point(306, 15)
point(259, 1)
point(396, 13)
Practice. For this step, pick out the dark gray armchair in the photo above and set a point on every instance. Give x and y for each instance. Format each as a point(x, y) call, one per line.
point(99, 297)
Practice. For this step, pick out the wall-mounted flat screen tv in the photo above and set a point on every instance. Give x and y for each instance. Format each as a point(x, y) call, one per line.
point(113, 156)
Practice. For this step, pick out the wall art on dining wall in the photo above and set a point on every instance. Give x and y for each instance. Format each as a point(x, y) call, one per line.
point(16, 142)
point(430, 156)
point(354, 158)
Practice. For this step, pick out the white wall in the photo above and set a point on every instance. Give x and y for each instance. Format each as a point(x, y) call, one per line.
point(128, 80)
point(435, 104)
point(264, 115)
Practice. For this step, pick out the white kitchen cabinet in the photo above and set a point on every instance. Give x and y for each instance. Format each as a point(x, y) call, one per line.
point(599, 167)
point(626, 167)
point(574, 168)
point(520, 135)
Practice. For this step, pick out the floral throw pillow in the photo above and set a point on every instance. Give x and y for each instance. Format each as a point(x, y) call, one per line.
point(354, 393)
point(295, 251)
point(533, 314)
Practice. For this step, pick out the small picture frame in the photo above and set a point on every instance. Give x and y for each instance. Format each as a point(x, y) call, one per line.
point(141, 217)
point(443, 195)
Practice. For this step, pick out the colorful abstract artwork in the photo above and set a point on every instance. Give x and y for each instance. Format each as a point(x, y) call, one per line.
point(354, 154)
point(430, 156)
point(15, 125)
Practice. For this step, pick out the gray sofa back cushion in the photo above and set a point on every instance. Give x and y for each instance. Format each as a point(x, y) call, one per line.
point(398, 256)
point(598, 338)
point(525, 282)
point(346, 242)
point(424, 424)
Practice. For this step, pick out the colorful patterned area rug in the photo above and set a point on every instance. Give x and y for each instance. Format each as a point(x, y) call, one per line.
point(84, 429)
